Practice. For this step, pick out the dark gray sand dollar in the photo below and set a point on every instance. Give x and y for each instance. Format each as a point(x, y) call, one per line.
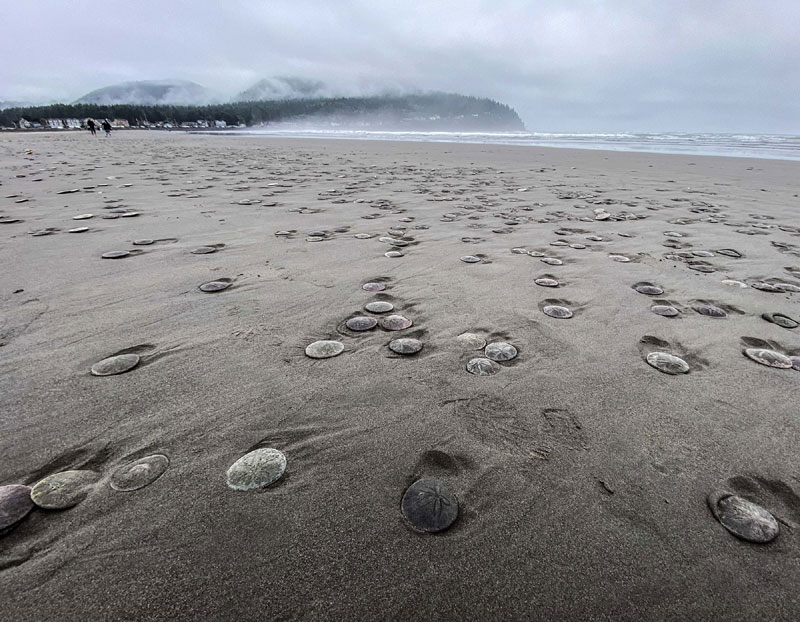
point(482, 367)
point(257, 469)
point(63, 490)
point(770, 358)
point(470, 259)
point(743, 518)
point(373, 287)
point(114, 365)
point(215, 286)
point(405, 346)
point(546, 282)
point(379, 306)
point(324, 349)
point(204, 250)
point(139, 473)
point(395, 322)
point(361, 322)
point(667, 363)
point(143, 242)
point(15, 503)
point(665, 310)
point(784, 321)
point(647, 289)
point(115, 254)
point(557, 311)
point(429, 506)
point(471, 341)
point(500, 351)
point(711, 310)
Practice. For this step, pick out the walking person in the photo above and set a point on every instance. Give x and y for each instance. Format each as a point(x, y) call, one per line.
point(107, 128)
point(92, 127)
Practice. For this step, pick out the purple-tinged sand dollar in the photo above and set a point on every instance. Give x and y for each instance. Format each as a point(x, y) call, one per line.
point(743, 518)
point(215, 286)
point(139, 473)
point(482, 367)
point(667, 363)
point(63, 490)
point(257, 469)
point(767, 357)
point(379, 306)
point(395, 322)
point(324, 349)
point(429, 506)
point(15, 503)
point(500, 351)
point(114, 365)
point(557, 311)
point(373, 287)
point(405, 345)
point(361, 323)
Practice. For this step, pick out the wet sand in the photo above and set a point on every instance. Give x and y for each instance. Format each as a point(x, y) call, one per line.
point(581, 471)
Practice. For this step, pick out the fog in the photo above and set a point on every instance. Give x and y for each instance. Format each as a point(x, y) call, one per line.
point(579, 66)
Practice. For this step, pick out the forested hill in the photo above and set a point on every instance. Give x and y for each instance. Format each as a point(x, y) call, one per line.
point(433, 111)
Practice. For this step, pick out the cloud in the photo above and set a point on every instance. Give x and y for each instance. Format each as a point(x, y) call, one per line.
point(584, 65)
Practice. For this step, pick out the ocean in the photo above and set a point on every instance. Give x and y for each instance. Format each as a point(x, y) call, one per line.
point(771, 146)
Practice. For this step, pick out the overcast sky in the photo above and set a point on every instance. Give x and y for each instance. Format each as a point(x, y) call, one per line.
point(564, 65)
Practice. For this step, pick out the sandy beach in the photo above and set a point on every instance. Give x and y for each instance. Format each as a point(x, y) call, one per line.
point(581, 472)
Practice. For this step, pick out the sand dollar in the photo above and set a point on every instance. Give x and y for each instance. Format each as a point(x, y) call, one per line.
point(257, 469)
point(83, 217)
point(770, 358)
point(361, 322)
point(552, 261)
point(482, 367)
point(788, 287)
point(78, 230)
point(115, 254)
point(373, 287)
point(470, 259)
point(204, 250)
point(734, 283)
point(15, 503)
point(665, 310)
point(784, 321)
point(324, 349)
point(519, 251)
point(395, 322)
point(557, 311)
point(667, 363)
point(405, 346)
point(619, 258)
point(500, 351)
point(711, 310)
point(215, 286)
point(379, 306)
point(429, 506)
point(546, 282)
point(63, 490)
point(364, 236)
point(139, 473)
point(767, 287)
point(114, 365)
point(730, 252)
point(471, 341)
point(393, 254)
point(143, 242)
point(795, 362)
point(648, 289)
point(743, 518)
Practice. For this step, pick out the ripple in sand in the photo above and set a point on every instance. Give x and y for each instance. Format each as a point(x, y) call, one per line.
point(78, 230)
point(83, 217)
point(361, 323)
point(215, 286)
point(143, 242)
point(710, 310)
point(470, 259)
point(373, 287)
point(482, 367)
point(114, 365)
point(546, 282)
point(665, 310)
point(743, 518)
point(619, 258)
point(471, 341)
point(15, 503)
point(115, 254)
point(393, 254)
point(258, 469)
point(379, 306)
point(395, 322)
point(648, 289)
point(667, 363)
point(324, 349)
point(405, 346)
point(770, 358)
point(429, 506)
point(784, 321)
point(139, 473)
point(553, 261)
point(557, 311)
point(63, 490)
point(500, 351)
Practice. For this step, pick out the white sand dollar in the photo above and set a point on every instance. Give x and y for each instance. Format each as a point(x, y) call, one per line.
point(114, 365)
point(471, 341)
point(257, 469)
point(500, 351)
point(63, 490)
point(324, 349)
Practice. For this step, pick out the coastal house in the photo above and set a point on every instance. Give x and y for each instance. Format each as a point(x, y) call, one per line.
point(24, 124)
point(220, 124)
point(72, 124)
point(53, 124)
point(120, 123)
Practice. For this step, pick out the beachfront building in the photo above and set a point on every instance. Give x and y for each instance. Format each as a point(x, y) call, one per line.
point(53, 124)
point(72, 124)
point(220, 124)
point(120, 123)
point(24, 124)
